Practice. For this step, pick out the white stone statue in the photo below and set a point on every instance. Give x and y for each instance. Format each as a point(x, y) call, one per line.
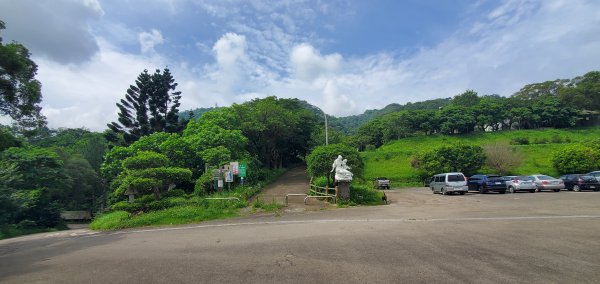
point(341, 169)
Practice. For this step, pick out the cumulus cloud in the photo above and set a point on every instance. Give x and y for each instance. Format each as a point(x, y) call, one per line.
point(58, 30)
point(85, 95)
point(309, 64)
point(515, 43)
point(148, 40)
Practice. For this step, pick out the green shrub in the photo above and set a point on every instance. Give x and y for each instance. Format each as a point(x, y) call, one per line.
point(455, 158)
point(540, 140)
point(576, 159)
point(204, 184)
point(320, 181)
point(177, 192)
point(127, 206)
point(520, 141)
point(556, 139)
point(319, 161)
point(361, 194)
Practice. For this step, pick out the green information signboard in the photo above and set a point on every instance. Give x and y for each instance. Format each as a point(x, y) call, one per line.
point(242, 170)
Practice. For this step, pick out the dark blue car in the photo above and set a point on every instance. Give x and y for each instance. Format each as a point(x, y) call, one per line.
point(487, 183)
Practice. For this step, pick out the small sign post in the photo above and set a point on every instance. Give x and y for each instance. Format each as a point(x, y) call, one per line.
point(229, 179)
point(242, 170)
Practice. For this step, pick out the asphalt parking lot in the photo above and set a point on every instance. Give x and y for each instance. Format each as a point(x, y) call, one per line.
point(420, 237)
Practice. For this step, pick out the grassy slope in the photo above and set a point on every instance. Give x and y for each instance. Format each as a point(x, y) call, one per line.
point(393, 159)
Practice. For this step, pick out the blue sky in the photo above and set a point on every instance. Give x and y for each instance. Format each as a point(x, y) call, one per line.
point(343, 56)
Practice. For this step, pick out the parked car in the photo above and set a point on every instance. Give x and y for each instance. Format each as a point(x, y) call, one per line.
point(487, 183)
point(578, 182)
point(448, 183)
point(544, 182)
point(382, 182)
point(595, 174)
point(517, 183)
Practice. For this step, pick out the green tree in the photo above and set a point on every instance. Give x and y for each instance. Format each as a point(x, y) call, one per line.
point(32, 184)
point(7, 139)
point(150, 106)
point(576, 159)
point(457, 120)
point(469, 98)
point(149, 172)
point(321, 158)
point(20, 92)
point(467, 159)
point(278, 130)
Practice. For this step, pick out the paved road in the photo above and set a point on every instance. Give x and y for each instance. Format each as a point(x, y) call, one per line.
point(419, 237)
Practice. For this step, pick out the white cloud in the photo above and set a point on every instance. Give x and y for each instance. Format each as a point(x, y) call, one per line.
point(309, 64)
point(58, 30)
point(85, 95)
point(148, 40)
point(517, 43)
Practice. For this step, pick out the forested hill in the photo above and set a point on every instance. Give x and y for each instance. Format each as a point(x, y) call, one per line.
point(347, 124)
point(350, 124)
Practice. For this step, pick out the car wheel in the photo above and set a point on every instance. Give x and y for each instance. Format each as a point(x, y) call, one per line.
point(596, 189)
point(576, 188)
point(462, 193)
point(532, 190)
point(502, 191)
point(480, 189)
point(444, 191)
point(511, 189)
point(557, 190)
point(432, 190)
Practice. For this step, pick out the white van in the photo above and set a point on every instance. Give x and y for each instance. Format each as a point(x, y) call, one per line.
point(448, 183)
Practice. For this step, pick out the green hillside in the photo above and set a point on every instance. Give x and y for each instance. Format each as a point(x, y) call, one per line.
point(392, 160)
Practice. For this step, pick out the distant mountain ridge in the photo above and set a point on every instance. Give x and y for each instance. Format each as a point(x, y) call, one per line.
point(350, 124)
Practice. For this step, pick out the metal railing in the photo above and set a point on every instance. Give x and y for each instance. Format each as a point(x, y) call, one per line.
point(293, 194)
point(319, 196)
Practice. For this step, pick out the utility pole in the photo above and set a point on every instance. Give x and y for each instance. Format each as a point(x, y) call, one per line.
point(326, 132)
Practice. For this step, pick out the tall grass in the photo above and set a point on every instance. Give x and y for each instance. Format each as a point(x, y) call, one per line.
point(393, 159)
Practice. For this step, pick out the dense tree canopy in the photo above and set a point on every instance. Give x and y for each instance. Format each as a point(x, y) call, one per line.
point(559, 104)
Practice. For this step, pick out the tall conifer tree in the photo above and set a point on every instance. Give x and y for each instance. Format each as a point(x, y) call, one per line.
point(151, 105)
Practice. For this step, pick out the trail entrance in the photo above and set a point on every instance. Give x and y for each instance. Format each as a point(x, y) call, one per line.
point(294, 181)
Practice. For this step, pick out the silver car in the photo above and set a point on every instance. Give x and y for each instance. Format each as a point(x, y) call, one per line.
point(516, 183)
point(544, 182)
point(449, 183)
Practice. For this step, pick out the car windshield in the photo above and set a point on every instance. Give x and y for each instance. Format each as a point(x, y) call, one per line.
point(456, 178)
point(381, 178)
point(590, 178)
point(528, 178)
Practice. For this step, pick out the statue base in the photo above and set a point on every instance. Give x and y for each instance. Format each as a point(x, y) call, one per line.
point(343, 190)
